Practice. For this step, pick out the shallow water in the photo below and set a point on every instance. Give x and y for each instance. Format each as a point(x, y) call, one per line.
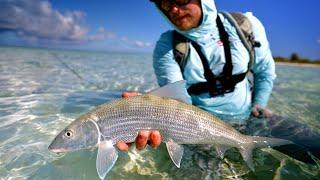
point(41, 91)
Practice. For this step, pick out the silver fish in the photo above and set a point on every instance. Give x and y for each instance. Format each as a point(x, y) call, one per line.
point(177, 121)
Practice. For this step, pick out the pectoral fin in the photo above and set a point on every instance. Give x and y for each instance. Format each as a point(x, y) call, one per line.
point(106, 158)
point(175, 151)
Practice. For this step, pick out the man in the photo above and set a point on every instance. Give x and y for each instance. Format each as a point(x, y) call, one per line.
point(196, 20)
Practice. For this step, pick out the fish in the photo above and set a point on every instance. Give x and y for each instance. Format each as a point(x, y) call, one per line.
point(166, 109)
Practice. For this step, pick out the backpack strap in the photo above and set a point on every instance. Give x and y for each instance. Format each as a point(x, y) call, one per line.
point(224, 36)
point(181, 46)
point(225, 82)
point(208, 74)
point(244, 30)
point(243, 27)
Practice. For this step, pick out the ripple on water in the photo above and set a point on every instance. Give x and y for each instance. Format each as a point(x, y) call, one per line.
point(40, 96)
point(22, 165)
point(7, 133)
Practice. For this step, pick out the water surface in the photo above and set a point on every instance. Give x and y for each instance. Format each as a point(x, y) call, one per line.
point(41, 91)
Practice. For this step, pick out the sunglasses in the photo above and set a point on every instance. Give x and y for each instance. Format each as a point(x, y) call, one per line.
point(166, 5)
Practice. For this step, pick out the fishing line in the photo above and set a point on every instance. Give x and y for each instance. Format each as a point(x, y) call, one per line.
point(83, 81)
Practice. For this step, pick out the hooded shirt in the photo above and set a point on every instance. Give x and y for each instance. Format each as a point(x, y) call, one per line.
point(233, 107)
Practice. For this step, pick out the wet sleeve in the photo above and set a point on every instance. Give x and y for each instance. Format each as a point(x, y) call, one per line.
point(165, 67)
point(263, 66)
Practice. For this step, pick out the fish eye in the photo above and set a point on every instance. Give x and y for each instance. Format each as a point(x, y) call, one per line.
point(68, 133)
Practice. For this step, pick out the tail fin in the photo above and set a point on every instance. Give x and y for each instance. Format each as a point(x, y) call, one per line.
point(258, 142)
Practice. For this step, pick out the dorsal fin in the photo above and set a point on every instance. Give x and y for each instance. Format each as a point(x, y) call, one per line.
point(176, 90)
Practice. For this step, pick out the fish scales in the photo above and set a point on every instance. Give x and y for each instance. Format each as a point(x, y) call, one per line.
point(186, 124)
point(136, 118)
point(135, 126)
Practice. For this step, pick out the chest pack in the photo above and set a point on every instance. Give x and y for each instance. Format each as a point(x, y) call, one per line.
point(225, 82)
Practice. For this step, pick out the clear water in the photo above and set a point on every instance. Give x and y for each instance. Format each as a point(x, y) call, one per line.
point(41, 91)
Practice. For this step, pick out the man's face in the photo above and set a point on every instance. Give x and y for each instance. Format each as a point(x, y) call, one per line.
point(185, 17)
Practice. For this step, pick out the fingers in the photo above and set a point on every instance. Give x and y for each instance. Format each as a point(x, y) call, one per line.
point(258, 111)
point(155, 139)
point(142, 139)
point(122, 146)
point(255, 112)
point(129, 94)
point(267, 113)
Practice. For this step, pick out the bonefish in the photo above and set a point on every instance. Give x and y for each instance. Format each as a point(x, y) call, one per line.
point(164, 109)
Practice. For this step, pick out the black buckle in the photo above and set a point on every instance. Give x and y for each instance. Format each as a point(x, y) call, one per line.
point(220, 87)
point(216, 87)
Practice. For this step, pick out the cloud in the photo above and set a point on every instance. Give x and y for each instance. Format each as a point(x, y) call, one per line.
point(318, 40)
point(37, 23)
point(36, 19)
point(102, 34)
point(141, 44)
point(136, 43)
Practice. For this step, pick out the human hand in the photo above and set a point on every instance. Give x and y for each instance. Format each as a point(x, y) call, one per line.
point(142, 139)
point(130, 94)
point(259, 111)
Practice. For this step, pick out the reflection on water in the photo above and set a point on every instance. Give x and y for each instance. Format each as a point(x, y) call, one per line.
point(40, 95)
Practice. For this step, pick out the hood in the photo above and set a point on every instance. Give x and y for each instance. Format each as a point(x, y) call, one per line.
point(205, 30)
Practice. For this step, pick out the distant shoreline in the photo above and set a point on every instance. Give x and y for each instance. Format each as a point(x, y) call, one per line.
point(298, 64)
point(278, 60)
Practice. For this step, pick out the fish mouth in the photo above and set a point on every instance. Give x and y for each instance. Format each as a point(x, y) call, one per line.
point(57, 150)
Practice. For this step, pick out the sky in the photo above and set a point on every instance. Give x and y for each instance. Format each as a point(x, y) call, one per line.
point(292, 26)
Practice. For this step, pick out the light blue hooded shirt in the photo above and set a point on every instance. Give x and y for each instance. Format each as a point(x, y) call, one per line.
point(231, 107)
